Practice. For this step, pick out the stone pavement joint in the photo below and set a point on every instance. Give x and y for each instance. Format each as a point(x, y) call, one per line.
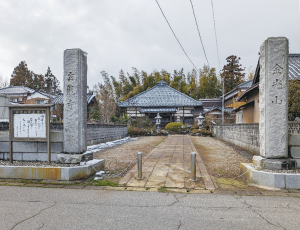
point(169, 165)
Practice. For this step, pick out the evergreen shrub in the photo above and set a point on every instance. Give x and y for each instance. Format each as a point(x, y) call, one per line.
point(174, 127)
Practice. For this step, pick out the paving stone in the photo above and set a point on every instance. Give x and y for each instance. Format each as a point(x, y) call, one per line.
point(170, 166)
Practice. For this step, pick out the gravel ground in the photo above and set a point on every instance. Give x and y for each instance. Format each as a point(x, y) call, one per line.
point(220, 159)
point(223, 164)
point(36, 163)
point(119, 160)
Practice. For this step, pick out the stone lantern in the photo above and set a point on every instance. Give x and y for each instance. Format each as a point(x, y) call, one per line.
point(158, 121)
point(200, 119)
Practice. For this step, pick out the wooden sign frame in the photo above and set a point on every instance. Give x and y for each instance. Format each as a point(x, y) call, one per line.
point(29, 107)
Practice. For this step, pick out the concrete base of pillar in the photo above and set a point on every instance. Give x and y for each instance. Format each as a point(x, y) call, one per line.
point(73, 158)
point(275, 180)
point(274, 164)
point(51, 173)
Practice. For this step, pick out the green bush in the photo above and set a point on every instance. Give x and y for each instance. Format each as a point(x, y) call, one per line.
point(135, 131)
point(194, 131)
point(147, 122)
point(205, 132)
point(174, 127)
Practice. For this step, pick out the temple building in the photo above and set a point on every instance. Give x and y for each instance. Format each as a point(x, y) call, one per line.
point(172, 105)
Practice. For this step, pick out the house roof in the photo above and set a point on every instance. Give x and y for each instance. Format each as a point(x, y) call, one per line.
point(60, 98)
point(16, 90)
point(208, 103)
point(159, 110)
point(244, 106)
point(294, 66)
point(226, 109)
point(236, 90)
point(247, 92)
point(160, 95)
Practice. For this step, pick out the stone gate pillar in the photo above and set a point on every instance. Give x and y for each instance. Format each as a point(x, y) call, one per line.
point(273, 98)
point(75, 100)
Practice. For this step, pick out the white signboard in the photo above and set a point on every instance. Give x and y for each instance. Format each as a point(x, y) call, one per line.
point(29, 123)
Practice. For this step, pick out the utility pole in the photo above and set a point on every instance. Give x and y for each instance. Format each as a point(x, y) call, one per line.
point(223, 101)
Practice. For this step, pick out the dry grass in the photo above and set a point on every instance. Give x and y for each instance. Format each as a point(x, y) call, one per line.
point(220, 159)
point(121, 159)
point(222, 162)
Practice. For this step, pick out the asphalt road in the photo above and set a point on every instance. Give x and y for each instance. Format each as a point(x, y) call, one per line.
point(56, 208)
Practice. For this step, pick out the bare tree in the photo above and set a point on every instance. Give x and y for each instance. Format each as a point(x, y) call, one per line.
point(105, 96)
point(3, 81)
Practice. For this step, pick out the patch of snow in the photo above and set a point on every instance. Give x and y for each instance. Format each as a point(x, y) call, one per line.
point(91, 162)
point(100, 173)
point(98, 178)
point(109, 144)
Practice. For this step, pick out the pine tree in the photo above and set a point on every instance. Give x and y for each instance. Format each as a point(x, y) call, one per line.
point(51, 83)
point(232, 73)
point(21, 75)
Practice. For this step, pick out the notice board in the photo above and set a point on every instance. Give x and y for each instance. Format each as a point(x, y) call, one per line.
point(29, 123)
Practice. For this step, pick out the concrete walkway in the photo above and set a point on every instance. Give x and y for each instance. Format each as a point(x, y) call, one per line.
point(169, 165)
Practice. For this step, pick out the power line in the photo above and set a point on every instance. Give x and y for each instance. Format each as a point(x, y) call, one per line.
point(199, 32)
point(212, 6)
point(175, 36)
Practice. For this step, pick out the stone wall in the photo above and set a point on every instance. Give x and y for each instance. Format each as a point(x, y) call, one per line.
point(102, 133)
point(246, 136)
point(31, 151)
point(37, 151)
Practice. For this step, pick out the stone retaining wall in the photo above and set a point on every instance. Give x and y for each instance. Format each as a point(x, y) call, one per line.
point(102, 133)
point(31, 151)
point(246, 136)
point(37, 151)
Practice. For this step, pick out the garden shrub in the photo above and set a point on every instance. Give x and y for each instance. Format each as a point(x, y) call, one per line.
point(194, 131)
point(205, 132)
point(135, 131)
point(174, 127)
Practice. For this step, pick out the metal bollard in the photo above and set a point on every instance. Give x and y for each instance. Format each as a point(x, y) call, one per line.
point(140, 172)
point(193, 170)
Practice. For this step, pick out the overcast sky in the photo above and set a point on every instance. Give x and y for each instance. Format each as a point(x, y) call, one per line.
point(121, 34)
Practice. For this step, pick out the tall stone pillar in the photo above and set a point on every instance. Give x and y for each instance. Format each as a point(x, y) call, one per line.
point(75, 101)
point(273, 98)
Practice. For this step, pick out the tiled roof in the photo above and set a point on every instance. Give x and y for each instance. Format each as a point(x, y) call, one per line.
point(208, 103)
point(159, 110)
point(239, 98)
point(235, 91)
point(60, 98)
point(16, 90)
point(160, 95)
point(294, 66)
point(245, 84)
point(89, 97)
point(226, 109)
